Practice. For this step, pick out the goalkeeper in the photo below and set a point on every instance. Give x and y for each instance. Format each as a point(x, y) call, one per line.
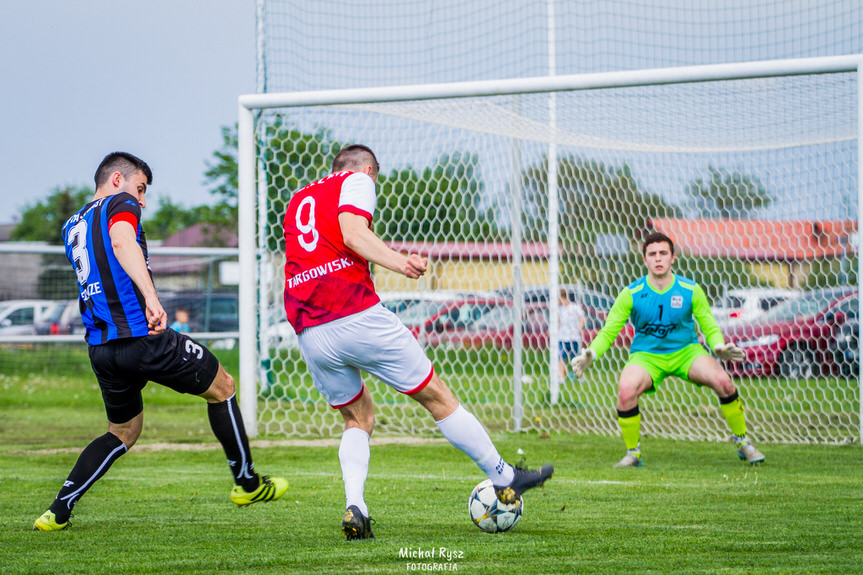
point(663, 308)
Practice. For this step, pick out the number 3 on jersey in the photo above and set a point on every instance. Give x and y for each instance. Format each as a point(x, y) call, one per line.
point(77, 238)
point(309, 238)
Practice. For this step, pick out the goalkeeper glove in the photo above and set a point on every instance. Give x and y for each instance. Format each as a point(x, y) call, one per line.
point(582, 361)
point(729, 352)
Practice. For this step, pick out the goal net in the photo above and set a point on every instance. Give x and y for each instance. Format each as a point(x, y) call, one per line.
point(517, 189)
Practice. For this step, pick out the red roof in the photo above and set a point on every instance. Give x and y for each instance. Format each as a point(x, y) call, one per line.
point(759, 239)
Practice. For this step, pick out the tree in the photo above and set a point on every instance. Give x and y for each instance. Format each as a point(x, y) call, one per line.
point(291, 159)
point(728, 194)
point(169, 218)
point(440, 204)
point(222, 172)
point(594, 199)
point(597, 203)
point(42, 220)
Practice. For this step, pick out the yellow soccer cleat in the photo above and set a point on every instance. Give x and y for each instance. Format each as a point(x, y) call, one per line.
point(270, 489)
point(48, 522)
point(523, 479)
point(355, 525)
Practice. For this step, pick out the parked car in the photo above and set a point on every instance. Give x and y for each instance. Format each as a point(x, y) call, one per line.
point(793, 339)
point(489, 322)
point(846, 347)
point(477, 322)
point(208, 311)
point(746, 304)
point(64, 318)
point(399, 302)
point(19, 316)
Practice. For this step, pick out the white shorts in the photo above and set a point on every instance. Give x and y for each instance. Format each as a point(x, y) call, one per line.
point(375, 341)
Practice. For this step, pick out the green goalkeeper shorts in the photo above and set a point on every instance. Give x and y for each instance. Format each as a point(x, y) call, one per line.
point(661, 365)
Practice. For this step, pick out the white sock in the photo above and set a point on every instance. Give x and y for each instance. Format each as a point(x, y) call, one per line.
point(354, 455)
point(466, 433)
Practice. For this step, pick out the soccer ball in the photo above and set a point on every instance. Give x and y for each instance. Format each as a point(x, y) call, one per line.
point(488, 513)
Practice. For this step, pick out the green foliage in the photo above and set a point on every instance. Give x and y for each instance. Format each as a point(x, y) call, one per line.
point(440, 204)
point(222, 172)
point(169, 218)
point(728, 194)
point(291, 159)
point(41, 221)
point(592, 197)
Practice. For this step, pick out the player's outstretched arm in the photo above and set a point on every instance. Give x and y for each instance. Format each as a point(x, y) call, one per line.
point(360, 238)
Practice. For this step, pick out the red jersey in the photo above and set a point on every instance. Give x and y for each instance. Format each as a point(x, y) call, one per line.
point(325, 280)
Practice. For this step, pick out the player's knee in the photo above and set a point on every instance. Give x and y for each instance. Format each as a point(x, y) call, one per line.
point(627, 396)
point(724, 385)
point(128, 434)
point(222, 387)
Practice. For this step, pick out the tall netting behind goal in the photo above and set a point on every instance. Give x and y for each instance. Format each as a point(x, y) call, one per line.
point(340, 44)
point(756, 179)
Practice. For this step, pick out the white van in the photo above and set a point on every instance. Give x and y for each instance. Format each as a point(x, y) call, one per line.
point(18, 316)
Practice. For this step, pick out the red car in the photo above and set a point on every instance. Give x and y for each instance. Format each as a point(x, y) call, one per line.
point(479, 322)
point(793, 339)
point(475, 322)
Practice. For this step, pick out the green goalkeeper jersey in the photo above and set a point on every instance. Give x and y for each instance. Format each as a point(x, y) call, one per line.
point(664, 321)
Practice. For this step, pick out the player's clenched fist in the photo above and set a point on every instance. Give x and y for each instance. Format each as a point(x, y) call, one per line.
point(415, 266)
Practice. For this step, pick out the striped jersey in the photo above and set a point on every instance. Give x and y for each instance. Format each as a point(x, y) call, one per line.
point(664, 321)
point(324, 279)
point(112, 307)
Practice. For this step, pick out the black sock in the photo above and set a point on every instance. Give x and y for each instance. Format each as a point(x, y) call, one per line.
point(227, 425)
point(92, 464)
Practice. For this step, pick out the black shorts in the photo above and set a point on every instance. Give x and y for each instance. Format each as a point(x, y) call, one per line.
point(124, 366)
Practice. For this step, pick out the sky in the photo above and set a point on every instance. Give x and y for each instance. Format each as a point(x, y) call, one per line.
point(81, 79)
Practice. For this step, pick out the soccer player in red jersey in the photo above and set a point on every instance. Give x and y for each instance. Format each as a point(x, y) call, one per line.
point(342, 329)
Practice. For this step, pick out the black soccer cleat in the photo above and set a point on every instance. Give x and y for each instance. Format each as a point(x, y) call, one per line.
point(356, 525)
point(523, 480)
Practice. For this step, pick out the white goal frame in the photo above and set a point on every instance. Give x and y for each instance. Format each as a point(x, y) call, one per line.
point(248, 194)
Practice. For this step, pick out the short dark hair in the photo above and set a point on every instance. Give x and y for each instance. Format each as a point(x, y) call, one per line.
point(122, 162)
point(354, 158)
point(656, 238)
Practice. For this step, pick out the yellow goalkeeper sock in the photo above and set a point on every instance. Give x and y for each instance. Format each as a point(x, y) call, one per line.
point(732, 409)
point(630, 427)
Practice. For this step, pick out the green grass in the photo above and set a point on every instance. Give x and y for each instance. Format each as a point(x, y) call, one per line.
point(693, 507)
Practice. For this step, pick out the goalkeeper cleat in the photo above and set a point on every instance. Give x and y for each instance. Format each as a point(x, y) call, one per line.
point(747, 452)
point(48, 522)
point(356, 525)
point(523, 479)
point(631, 459)
point(270, 489)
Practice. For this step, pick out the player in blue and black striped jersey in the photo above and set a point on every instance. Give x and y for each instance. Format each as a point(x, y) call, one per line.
point(664, 308)
point(129, 344)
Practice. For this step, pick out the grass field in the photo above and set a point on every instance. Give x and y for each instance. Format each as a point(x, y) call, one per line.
point(693, 508)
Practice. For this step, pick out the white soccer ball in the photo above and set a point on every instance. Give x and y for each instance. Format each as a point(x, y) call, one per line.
point(488, 513)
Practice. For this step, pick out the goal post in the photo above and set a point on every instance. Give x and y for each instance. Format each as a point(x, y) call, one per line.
point(468, 183)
